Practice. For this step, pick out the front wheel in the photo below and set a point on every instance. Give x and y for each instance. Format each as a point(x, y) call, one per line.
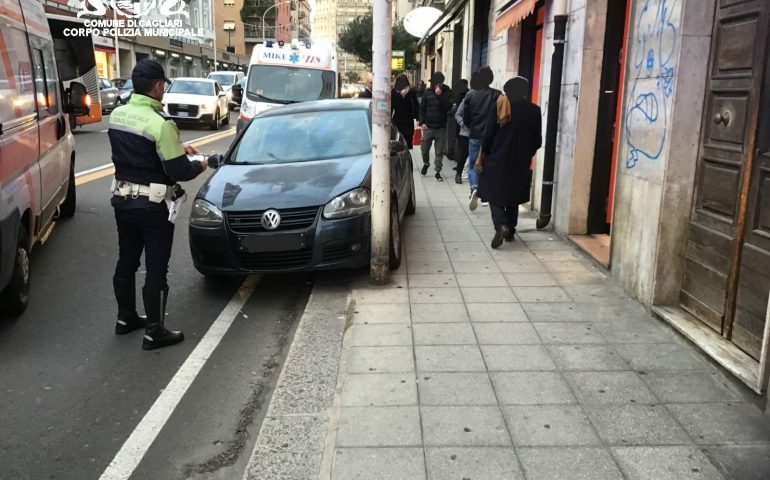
point(395, 237)
point(15, 297)
point(226, 120)
point(215, 121)
point(411, 207)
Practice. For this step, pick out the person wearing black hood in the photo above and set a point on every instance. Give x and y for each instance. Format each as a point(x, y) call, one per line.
point(405, 108)
point(512, 139)
point(479, 102)
point(434, 108)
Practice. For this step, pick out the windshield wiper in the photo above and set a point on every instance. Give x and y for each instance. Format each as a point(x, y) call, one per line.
point(269, 154)
point(270, 100)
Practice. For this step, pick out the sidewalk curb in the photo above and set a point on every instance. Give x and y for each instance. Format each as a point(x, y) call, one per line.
point(291, 441)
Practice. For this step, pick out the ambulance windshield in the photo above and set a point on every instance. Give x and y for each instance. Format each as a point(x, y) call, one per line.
point(285, 84)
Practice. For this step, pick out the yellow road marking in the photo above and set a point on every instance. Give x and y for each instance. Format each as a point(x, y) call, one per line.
point(111, 170)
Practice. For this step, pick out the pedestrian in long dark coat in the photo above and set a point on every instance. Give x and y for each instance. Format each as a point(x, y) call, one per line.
point(508, 150)
point(405, 108)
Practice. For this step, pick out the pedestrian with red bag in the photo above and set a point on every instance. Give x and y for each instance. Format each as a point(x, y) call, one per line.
point(405, 108)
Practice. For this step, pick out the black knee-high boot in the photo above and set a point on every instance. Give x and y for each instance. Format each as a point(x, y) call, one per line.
point(155, 334)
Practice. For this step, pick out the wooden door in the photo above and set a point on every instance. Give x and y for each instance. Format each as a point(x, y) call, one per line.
point(726, 167)
point(754, 276)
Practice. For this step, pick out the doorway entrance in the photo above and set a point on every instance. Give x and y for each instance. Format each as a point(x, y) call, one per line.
point(608, 122)
point(727, 260)
point(531, 50)
point(596, 241)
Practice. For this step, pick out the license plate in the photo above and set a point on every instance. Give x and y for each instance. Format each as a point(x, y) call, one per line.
point(273, 242)
point(182, 114)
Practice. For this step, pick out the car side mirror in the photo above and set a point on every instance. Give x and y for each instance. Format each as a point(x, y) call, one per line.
point(397, 147)
point(78, 101)
point(214, 161)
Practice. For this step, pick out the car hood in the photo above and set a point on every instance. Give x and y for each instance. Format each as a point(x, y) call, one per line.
point(290, 185)
point(187, 98)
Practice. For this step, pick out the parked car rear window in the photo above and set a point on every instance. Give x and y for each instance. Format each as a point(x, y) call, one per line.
point(192, 87)
point(224, 79)
point(304, 137)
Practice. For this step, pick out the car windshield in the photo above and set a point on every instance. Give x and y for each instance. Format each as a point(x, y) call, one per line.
point(304, 137)
point(124, 84)
point(280, 84)
point(222, 78)
point(192, 87)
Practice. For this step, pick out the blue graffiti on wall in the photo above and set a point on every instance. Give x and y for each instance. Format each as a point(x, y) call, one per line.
point(653, 68)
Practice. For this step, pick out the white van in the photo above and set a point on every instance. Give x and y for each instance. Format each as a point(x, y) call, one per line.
point(227, 79)
point(281, 73)
point(37, 149)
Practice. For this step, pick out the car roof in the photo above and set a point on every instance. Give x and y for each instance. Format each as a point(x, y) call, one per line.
point(319, 105)
point(233, 72)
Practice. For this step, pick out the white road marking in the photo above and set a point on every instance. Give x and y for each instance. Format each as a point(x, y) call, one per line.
point(103, 131)
point(134, 449)
point(95, 169)
point(223, 133)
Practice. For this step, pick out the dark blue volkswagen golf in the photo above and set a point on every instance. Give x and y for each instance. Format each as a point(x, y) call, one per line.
point(293, 193)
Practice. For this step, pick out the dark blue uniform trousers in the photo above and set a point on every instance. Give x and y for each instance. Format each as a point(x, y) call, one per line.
point(144, 229)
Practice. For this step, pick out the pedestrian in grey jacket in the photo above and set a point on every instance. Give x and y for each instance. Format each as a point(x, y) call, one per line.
point(462, 142)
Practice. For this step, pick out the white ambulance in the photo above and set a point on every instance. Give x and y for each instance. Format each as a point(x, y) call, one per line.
point(37, 149)
point(280, 74)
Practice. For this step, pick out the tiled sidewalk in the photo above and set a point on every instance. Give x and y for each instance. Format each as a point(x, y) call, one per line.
point(524, 362)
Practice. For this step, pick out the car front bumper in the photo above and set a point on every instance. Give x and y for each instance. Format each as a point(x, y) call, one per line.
point(329, 244)
point(200, 118)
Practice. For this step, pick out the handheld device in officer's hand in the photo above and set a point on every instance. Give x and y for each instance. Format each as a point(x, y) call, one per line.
point(214, 161)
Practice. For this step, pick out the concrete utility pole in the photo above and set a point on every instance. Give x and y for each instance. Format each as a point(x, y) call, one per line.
point(117, 45)
point(214, 31)
point(380, 201)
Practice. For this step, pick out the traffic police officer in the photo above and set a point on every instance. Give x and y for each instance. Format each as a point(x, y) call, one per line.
point(149, 160)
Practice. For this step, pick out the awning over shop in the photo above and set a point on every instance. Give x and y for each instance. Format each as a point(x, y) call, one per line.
point(513, 14)
point(453, 9)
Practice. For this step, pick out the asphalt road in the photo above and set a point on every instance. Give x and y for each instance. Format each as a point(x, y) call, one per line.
point(72, 392)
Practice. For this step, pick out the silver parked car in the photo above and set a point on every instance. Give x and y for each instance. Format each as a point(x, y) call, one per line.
point(109, 95)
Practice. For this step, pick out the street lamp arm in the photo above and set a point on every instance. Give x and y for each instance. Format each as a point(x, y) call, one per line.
point(267, 10)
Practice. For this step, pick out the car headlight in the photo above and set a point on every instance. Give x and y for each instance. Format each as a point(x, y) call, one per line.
point(204, 107)
point(354, 202)
point(205, 214)
point(248, 110)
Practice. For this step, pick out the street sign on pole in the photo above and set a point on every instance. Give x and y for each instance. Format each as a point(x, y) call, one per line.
point(398, 59)
point(380, 199)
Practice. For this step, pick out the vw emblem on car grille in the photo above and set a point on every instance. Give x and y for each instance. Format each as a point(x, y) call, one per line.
point(271, 219)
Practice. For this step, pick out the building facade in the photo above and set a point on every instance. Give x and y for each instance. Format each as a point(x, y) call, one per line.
point(180, 56)
point(229, 27)
point(330, 19)
point(277, 20)
point(662, 149)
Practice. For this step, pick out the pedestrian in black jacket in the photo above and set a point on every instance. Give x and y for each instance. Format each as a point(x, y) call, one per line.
point(509, 145)
point(405, 107)
point(434, 108)
point(479, 102)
